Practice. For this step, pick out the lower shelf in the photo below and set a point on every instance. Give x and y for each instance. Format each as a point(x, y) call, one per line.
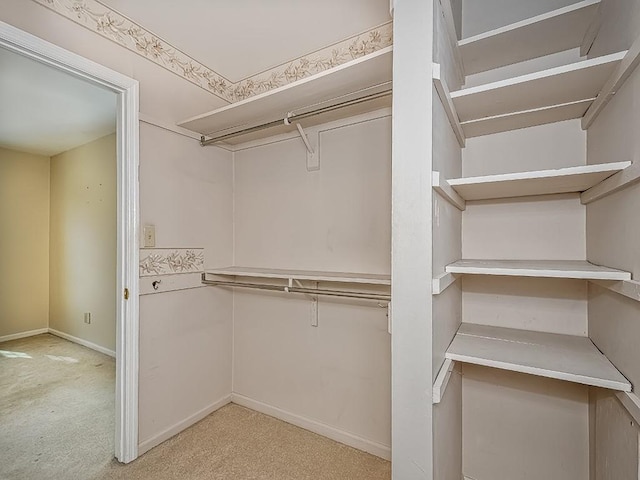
point(564, 357)
point(318, 276)
point(538, 268)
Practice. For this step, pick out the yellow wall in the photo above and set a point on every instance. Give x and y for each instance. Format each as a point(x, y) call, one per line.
point(83, 242)
point(24, 242)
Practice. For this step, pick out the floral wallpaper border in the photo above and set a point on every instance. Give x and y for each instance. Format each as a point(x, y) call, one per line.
point(168, 261)
point(99, 18)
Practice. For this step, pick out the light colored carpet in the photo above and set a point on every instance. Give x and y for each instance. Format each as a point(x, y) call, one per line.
point(56, 409)
point(236, 443)
point(58, 424)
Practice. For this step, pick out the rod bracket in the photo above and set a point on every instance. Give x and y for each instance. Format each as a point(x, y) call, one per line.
point(313, 158)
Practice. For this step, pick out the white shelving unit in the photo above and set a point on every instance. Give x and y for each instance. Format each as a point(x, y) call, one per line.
point(537, 268)
point(569, 27)
point(542, 182)
point(355, 79)
point(317, 276)
point(502, 322)
point(564, 357)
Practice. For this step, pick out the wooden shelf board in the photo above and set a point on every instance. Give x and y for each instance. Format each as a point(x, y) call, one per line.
point(555, 86)
point(318, 276)
point(564, 357)
point(538, 268)
point(538, 36)
point(528, 118)
point(341, 82)
point(562, 180)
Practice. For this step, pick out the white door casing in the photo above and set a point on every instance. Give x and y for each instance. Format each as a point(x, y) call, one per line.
point(127, 321)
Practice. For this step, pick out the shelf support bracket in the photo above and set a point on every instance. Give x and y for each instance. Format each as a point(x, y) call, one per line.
point(443, 281)
point(627, 288)
point(442, 380)
point(620, 180)
point(314, 302)
point(447, 103)
point(631, 403)
point(628, 64)
point(313, 157)
point(440, 185)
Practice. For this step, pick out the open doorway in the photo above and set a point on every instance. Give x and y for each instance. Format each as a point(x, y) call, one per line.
point(126, 196)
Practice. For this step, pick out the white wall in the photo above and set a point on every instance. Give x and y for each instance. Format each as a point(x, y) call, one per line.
point(24, 242)
point(185, 336)
point(517, 426)
point(613, 237)
point(83, 242)
point(334, 219)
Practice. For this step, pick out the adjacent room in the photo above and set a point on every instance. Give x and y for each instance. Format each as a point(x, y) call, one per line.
point(57, 275)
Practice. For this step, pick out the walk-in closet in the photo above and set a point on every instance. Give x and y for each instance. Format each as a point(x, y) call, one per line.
point(409, 226)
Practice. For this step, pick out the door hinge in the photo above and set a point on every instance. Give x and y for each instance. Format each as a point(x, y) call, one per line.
point(126, 294)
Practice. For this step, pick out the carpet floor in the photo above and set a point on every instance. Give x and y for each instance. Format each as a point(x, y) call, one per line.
point(56, 422)
point(56, 409)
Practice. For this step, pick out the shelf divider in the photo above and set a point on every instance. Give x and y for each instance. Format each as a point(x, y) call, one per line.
point(578, 269)
point(541, 182)
point(563, 357)
point(559, 85)
point(551, 32)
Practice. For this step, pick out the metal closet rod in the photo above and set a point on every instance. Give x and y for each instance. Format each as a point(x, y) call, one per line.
point(292, 117)
point(309, 291)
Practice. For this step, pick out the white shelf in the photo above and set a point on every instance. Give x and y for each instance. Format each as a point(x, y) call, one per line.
point(551, 95)
point(342, 277)
point(371, 73)
point(538, 36)
point(538, 268)
point(562, 180)
point(564, 357)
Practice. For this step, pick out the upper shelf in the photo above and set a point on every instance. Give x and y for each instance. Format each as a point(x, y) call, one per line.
point(370, 74)
point(562, 180)
point(342, 277)
point(544, 34)
point(565, 357)
point(559, 85)
point(551, 95)
point(538, 268)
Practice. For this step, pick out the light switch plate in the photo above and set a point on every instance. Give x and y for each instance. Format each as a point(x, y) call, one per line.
point(149, 236)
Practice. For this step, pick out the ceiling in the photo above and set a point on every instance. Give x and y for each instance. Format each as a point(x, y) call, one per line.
point(241, 38)
point(46, 111)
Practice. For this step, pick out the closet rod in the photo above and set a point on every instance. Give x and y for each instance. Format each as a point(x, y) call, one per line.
point(309, 291)
point(292, 117)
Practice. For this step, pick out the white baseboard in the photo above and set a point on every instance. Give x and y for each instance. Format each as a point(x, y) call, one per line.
point(328, 431)
point(148, 444)
point(82, 342)
point(30, 333)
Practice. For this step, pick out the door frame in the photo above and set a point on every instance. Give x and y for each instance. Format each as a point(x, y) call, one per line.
point(127, 312)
